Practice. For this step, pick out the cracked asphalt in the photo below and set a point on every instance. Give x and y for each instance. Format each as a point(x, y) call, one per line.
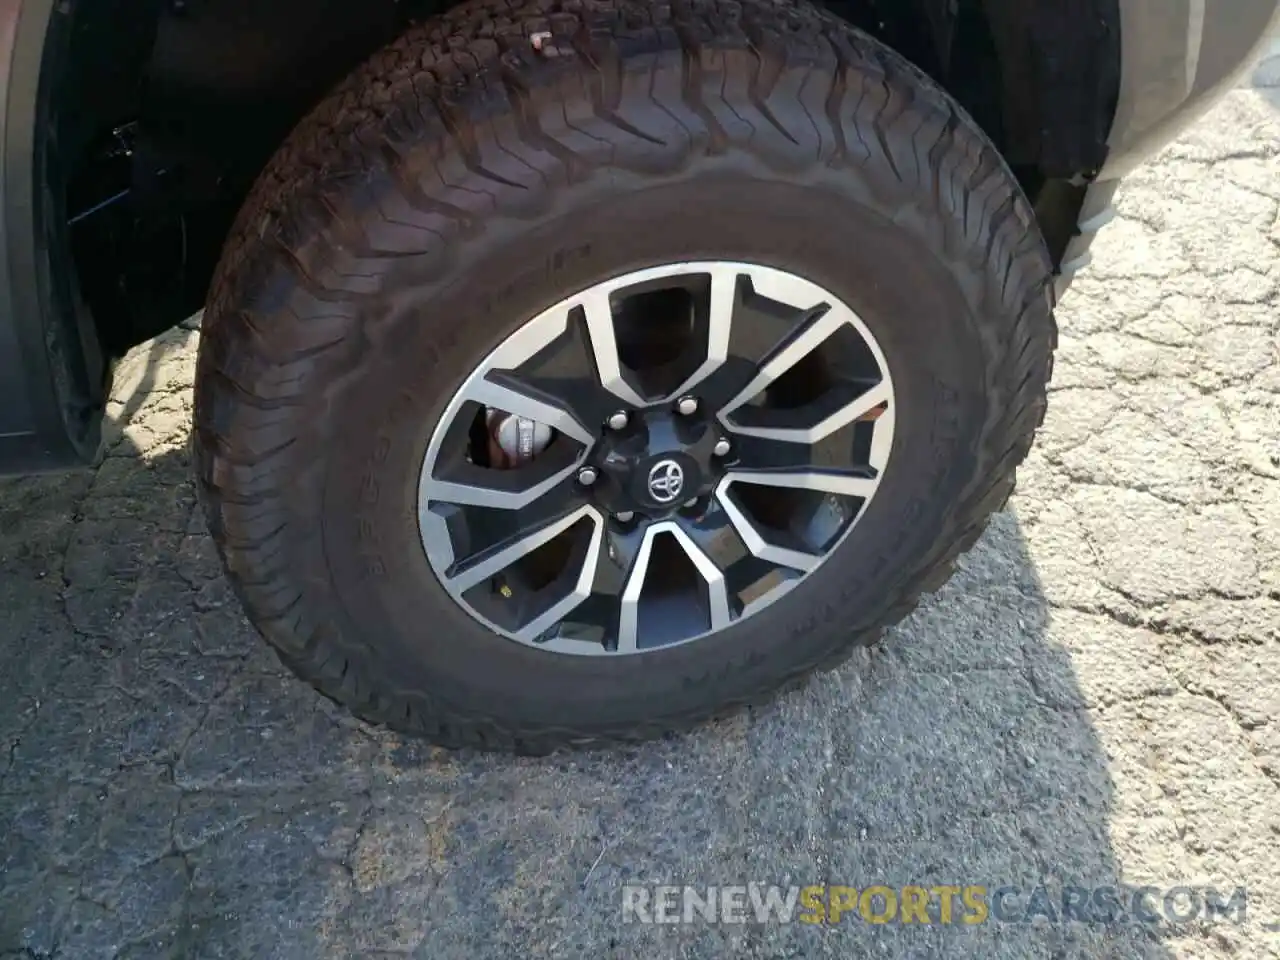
point(1092, 700)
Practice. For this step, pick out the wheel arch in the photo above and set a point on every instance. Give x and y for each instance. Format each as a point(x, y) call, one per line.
point(172, 108)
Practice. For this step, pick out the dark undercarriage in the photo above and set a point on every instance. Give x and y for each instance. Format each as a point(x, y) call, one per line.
point(165, 116)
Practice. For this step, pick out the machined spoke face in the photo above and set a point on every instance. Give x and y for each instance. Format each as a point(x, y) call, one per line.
point(656, 458)
point(820, 480)
point(714, 596)
point(836, 464)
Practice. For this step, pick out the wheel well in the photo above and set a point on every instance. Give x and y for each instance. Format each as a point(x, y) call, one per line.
point(167, 114)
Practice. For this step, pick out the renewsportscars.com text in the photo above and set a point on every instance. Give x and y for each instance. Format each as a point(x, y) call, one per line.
point(962, 905)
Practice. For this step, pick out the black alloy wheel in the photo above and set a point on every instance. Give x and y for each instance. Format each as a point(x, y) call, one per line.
point(716, 430)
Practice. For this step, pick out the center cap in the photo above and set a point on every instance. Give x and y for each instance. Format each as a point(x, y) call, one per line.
point(656, 465)
point(666, 481)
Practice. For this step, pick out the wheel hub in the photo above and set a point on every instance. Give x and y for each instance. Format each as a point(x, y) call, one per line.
point(656, 464)
point(716, 430)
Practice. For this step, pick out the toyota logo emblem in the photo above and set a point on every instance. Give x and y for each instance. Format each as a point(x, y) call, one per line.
point(666, 480)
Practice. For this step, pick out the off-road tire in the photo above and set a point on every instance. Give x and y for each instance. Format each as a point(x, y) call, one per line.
point(491, 162)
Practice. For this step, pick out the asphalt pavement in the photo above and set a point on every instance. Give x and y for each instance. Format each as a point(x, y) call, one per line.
point(1093, 701)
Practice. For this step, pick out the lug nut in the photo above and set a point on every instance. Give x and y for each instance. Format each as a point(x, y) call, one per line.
point(721, 448)
point(587, 476)
point(624, 516)
point(687, 406)
point(618, 420)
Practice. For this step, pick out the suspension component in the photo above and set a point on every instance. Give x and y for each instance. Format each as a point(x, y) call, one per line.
point(513, 440)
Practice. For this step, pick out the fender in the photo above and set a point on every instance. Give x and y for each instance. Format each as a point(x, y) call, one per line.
point(1177, 58)
point(52, 380)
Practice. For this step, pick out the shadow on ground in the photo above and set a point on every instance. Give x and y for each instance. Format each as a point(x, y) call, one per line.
point(167, 790)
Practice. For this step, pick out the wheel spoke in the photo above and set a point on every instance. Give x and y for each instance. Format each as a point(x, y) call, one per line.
point(598, 312)
point(841, 406)
point(754, 326)
point(882, 440)
point(468, 531)
point(576, 596)
point(718, 538)
point(454, 478)
point(830, 465)
point(755, 541)
point(752, 572)
point(552, 378)
point(505, 391)
point(495, 496)
point(824, 481)
point(594, 622)
point(754, 454)
point(629, 602)
point(720, 312)
point(544, 371)
point(881, 395)
point(499, 558)
point(717, 595)
point(820, 324)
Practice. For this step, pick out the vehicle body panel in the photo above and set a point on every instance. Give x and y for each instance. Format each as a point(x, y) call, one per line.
point(49, 414)
point(1177, 58)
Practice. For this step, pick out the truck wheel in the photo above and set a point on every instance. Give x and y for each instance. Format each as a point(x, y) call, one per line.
point(577, 372)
